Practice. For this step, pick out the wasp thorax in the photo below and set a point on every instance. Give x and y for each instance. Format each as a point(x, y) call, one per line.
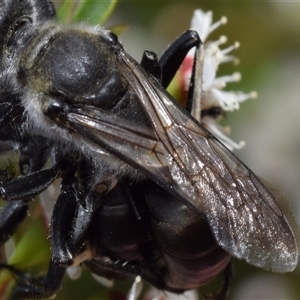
point(73, 62)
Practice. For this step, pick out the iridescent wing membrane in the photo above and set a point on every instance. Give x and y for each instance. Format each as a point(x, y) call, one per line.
point(189, 162)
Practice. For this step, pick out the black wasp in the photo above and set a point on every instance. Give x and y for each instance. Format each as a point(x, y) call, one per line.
point(145, 189)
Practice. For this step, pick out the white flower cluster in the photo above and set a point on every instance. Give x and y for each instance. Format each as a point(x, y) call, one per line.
point(213, 94)
point(155, 294)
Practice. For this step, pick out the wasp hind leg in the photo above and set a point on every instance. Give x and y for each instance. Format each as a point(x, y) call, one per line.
point(28, 286)
point(174, 55)
point(165, 68)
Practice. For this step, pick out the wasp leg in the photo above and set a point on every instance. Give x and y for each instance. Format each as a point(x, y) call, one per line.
point(60, 230)
point(70, 222)
point(82, 222)
point(171, 60)
point(29, 185)
point(32, 184)
point(89, 202)
point(62, 219)
point(22, 279)
point(11, 217)
point(174, 55)
point(37, 288)
point(53, 280)
point(166, 67)
point(19, 191)
point(150, 63)
point(15, 211)
point(193, 105)
point(72, 214)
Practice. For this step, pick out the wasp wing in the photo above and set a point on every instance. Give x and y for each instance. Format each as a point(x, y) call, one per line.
point(186, 159)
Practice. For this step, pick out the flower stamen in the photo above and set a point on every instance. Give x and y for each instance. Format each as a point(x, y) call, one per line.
point(212, 94)
point(217, 24)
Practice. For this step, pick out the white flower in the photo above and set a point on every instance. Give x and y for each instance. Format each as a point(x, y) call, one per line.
point(213, 94)
point(136, 289)
point(155, 294)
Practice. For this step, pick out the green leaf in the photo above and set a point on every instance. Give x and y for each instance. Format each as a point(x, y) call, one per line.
point(118, 29)
point(7, 282)
point(33, 250)
point(94, 12)
point(66, 11)
point(174, 88)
